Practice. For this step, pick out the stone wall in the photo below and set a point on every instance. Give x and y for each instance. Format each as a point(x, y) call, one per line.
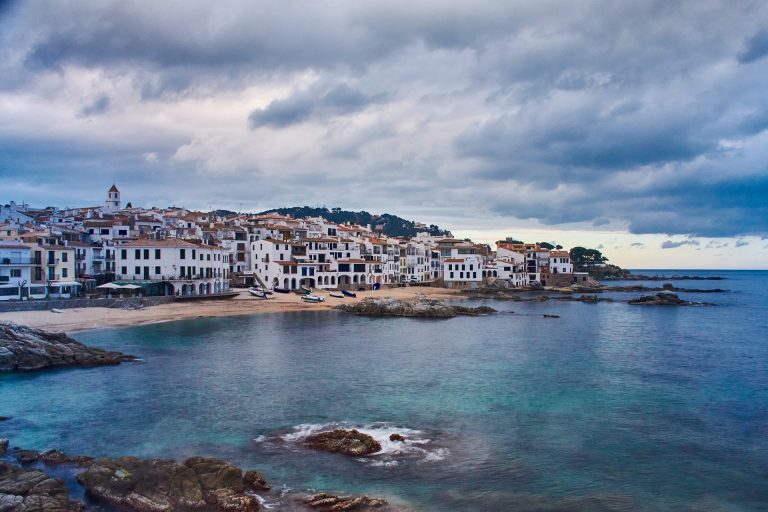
point(45, 305)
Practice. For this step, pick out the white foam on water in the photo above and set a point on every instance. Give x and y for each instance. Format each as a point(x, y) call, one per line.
point(260, 439)
point(416, 445)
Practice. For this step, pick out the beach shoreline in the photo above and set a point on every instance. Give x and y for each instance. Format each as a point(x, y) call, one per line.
point(85, 319)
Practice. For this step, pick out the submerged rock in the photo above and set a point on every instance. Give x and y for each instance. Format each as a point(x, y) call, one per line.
point(27, 456)
point(422, 307)
point(165, 485)
point(31, 490)
point(256, 481)
point(348, 442)
point(396, 437)
point(332, 503)
point(3, 445)
point(23, 348)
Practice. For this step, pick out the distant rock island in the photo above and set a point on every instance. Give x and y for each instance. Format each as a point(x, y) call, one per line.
point(420, 307)
point(25, 349)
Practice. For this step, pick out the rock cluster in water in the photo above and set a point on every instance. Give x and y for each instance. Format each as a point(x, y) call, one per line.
point(348, 442)
point(663, 299)
point(31, 490)
point(164, 485)
point(331, 503)
point(419, 306)
point(23, 349)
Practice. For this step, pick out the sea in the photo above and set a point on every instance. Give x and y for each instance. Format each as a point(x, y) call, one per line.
point(607, 407)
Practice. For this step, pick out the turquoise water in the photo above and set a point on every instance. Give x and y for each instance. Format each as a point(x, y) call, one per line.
point(609, 407)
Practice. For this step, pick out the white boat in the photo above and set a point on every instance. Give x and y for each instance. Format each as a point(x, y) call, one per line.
point(312, 298)
point(262, 289)
point(257, 293)
point(337, 295)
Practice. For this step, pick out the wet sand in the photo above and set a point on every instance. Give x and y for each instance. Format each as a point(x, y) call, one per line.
point(79, 319)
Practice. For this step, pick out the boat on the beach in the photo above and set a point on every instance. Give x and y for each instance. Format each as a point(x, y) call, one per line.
point(337, 295)
point(258, 292)
point(281, 290)
point(312, 298)
point(306, 289)
point(349, 293)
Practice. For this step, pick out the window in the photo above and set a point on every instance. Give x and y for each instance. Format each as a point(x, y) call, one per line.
point(15, 272)
point(451, 275)
point(137, 270)
point(461, 275)
point(182, 254)
point(104, 231)
point(193, 254)
point(157, 255)
point(124, 253)
point(122, 232)
point(137, 254)
point(474, 275)
point(157, 270)
point(64, 257)
point(146, 254)
point(64, 272)
point(123, 270)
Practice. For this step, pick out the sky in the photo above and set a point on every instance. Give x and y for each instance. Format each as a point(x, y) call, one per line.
point(640, 128)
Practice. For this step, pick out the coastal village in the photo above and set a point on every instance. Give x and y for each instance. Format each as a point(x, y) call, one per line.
point(117, 249)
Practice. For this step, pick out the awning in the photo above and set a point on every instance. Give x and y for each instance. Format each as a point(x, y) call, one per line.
point(65, 283)
point(131, 287)
point(110, 286)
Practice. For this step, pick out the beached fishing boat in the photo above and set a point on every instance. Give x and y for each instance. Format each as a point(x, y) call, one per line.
point(349, 293)
point(281, 290)
point(306, 289)
point(256, 292)
point(337, 295)
point(312, 298)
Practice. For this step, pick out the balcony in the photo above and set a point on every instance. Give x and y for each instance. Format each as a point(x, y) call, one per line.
point(17, 261)
point(50, 261)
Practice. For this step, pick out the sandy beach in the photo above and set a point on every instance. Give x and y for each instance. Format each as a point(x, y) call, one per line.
point(79, 319)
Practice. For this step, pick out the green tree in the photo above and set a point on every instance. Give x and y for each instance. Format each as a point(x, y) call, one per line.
point(583, 258)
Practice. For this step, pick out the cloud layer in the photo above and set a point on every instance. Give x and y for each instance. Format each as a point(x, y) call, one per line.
point(649, 116)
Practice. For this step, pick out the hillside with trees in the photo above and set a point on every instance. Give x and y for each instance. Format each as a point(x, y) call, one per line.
point(388, 224)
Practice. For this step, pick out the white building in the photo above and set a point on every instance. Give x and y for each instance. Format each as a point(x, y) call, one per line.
point(560, 262)
point(463, 271)
point(174, 266)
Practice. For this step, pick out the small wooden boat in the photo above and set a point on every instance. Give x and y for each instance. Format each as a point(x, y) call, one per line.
point(281, 290)
point(312, 298)
point(337, 295)
point(349, 293)
point(306, 289)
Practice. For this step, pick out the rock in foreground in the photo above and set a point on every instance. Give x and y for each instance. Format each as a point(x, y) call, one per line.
point(31, 490)
point(164, 485)
point(422, 307)
point(348, 442)
point(331, 503)
point(23, 349)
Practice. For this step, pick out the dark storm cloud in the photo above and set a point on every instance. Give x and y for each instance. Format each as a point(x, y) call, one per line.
point(317, 102)
point(650, 115)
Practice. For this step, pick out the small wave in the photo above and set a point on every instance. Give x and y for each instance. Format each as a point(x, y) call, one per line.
point(416, 445)
point(260, 439)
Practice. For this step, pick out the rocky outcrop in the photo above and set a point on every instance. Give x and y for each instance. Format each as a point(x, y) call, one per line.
point(348, 442)
point(396, 437)
point(3, 445)
point(159, 485)
point(331, 503)
point(31, 490)
point(664, 299)
point(23, 349)
point(422, 307)
point(256, 481)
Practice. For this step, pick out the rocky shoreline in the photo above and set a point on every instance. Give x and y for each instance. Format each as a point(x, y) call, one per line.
point(26, 349)
point(417, 307)
point(150, 485)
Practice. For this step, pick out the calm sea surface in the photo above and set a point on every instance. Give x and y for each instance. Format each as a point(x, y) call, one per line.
point(609, 407)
